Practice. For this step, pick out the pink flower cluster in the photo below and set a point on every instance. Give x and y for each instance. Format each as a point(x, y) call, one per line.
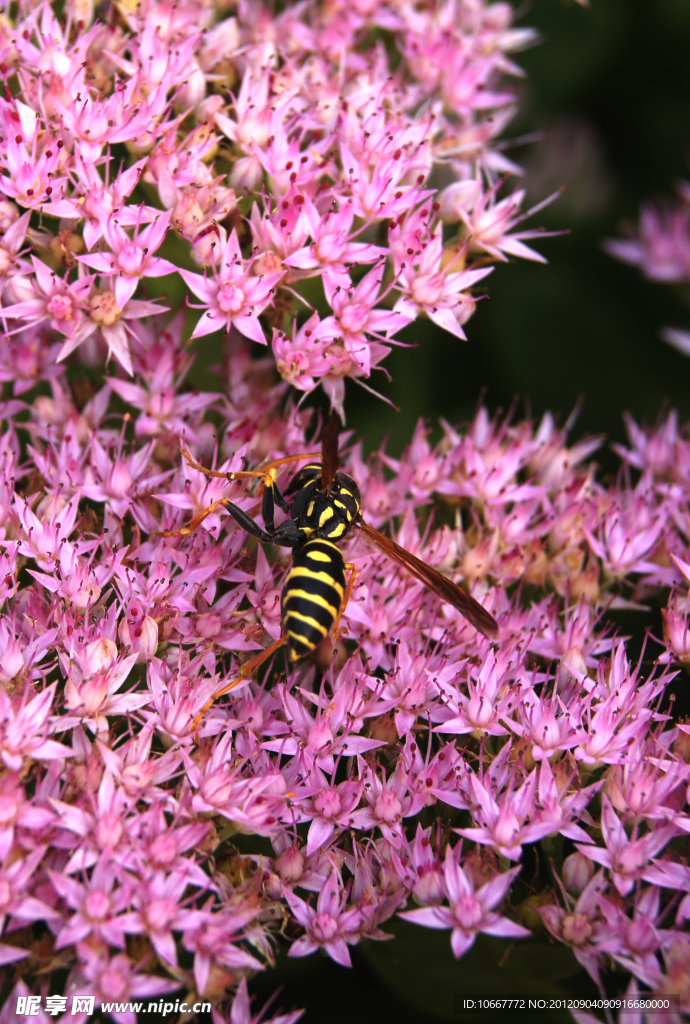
point(411, 766)
point(276, 148)
point(121, 827)
point(661, 249)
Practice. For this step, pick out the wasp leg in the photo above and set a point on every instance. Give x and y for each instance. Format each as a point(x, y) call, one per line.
point(238, 514)
point(237, 474)
point(202, 469)
point(291, 458)
point(278, 498)
point(288, 534)
point(271, 496)
point(335, 632)
point(242, 474)
point(245, 671)
point(190, 527)
point(267, 475)
point(248, 524)
point(215, 472)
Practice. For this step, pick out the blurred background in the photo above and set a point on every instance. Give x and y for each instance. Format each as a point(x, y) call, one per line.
point(609, 88)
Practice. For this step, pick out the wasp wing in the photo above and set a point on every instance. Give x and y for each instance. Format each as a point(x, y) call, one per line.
point(434, 580)
point(329, 451)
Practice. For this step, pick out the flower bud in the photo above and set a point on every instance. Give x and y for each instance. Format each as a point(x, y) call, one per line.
point(208, 625)
point(681, 747)
point(86, 696)
point(641, 936)
point(459, 197)
point(8, 214)
point(273, 887)
point(209, 107)
point(428, 888)
point(141, 144)
point(11, 662)
point(677, 633)
point(66, 245)
point(477, 562)
point(247, 175)
point(586, 584)
point(81, 11)
point(140, 636)
point(192, 91)
point(49, 507)
point(573, 664)
point(99, 656)
point(290, 865)
point(383, 727)
point(187, 215)
point(20, 289)
point(208, 244)
point(109, 831)
point(268, 262)
point(220, 42)
point(577, 872)
point(576, 929)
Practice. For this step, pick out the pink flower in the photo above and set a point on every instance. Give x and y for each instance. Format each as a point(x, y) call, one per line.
point(233, 296)
point(579, 925)
point(389, 802)
point(106, 315)
point(471, 909)
point(332, 246)
point(628, 532)
point(130, 258)
point(91, 698)
point(488, 222)
point(505, 820)
point(355, 316)
point(241, 1009)
point(661, 248)
point(213, 938)
point(118, 478)
point(34, 168)
point(331, 809)
point(116, 980)
point(16, 880)
point(52, 298)
point(441, 293)
point(119, 117)
point(330, 926)
point(627, 857)
point(97, 906)
point(25, 729)
point(306, 357)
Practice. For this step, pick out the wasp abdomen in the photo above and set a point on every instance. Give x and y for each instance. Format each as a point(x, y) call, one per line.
point(312, 595)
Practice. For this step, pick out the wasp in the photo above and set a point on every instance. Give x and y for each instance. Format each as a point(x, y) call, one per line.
point(325, 506)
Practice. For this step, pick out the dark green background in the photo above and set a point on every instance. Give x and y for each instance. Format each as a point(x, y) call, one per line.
point(585, 325)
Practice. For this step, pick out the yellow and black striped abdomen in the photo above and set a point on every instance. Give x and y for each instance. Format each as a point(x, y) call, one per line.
point(312, 595)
